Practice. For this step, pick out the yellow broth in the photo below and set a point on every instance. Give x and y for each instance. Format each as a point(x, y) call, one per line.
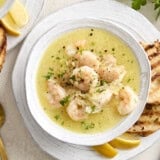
point(54, 60)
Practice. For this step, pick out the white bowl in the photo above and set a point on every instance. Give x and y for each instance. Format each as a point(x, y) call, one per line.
point(5, 8)
point(33, 101)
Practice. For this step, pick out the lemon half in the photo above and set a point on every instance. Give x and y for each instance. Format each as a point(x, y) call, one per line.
point(106, 150)
point(16, 18)
point(10, 26)
point(19, 14)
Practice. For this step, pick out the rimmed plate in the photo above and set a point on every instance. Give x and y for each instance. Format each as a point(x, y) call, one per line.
point(35, 107)
point(34, 9)
point(130, 20)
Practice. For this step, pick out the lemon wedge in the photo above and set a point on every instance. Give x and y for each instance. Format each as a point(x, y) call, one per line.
point(106, 150)
point(126, 141)
point(10, 26)
point(19, 14)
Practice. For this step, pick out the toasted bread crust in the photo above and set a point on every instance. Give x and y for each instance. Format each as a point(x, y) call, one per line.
point(149, 122)
point(3, 45)
point(153, 52)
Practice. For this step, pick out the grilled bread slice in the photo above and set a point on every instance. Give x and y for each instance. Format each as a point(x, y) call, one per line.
point(153, 52)
point(149, 121)
point(3, 45)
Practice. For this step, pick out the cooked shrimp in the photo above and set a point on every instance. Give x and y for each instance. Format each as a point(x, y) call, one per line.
point(109, 60)
point(100, 97)
point(128, 101)
point(76, 110)
point(55, 93)
point(84, 78)
point(87, 58)
point(71, 50)
point(112, 73)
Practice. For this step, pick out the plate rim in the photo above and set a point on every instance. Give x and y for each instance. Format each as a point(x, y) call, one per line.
point(25, 32)
point(31, 89)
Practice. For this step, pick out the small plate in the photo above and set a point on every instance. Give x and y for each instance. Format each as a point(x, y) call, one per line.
point(122, 15)
point(34, 9)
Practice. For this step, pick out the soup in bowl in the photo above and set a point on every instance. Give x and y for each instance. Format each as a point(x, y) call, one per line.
point(87, 81)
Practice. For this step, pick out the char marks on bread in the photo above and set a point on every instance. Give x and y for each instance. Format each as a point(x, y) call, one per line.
point(149, 122)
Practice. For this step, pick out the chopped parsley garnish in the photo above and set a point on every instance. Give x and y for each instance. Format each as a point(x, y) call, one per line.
point(57, 117)
point(61, 75)
point(87, 126)
point(51, 69)
point(49, 75)
point(100, 90)
point(73, 78)
point(128, 80)
point(93, 108)
point(80, 50)
point(102, 82)
point(62, 123)
point(65, 101)
point(57, 58)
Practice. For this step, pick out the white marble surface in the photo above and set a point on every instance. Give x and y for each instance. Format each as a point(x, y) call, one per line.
point(17, 139)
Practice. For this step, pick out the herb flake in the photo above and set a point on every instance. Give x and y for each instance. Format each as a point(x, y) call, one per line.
point(65, 100)
point(49, 75)
point(57, 117)
point(87, 126)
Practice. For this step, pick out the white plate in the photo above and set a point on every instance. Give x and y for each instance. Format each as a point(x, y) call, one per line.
point(130, 20)
point(34, 9)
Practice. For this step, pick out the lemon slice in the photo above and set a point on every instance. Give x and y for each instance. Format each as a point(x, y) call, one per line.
point(126, 141)
point(106, 150)
point(19, 14)
point(10, 26)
